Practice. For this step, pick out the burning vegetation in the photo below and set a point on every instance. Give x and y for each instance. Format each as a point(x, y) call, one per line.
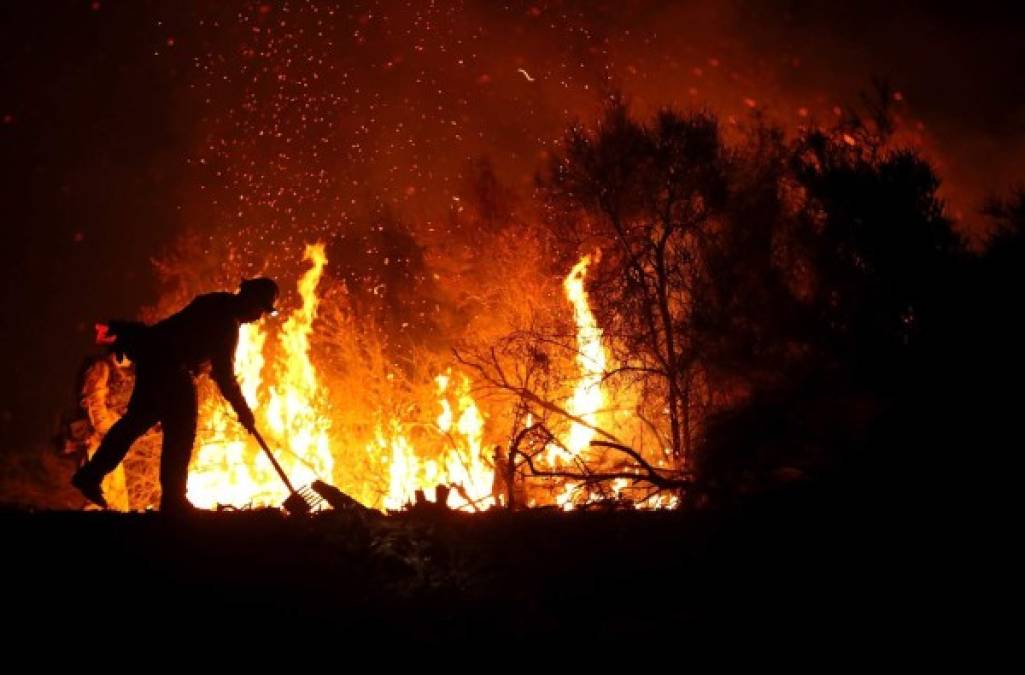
point(389, 458)
point(590, 349)
point(662, 306)
point(630, 288)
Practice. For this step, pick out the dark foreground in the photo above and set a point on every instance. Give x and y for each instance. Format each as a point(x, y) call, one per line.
point(806, 564)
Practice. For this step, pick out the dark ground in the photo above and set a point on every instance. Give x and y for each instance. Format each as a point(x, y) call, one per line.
point(808, 566)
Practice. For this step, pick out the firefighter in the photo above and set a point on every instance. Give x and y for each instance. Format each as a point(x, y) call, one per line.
point(167, 356)
point(104, 395)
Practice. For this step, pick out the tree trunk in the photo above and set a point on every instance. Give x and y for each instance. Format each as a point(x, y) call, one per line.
point(686, 426)
point(662, 292)
point(674, 423)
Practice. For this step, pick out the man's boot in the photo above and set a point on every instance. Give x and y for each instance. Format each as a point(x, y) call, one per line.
point(177, 506)
point(89, 486)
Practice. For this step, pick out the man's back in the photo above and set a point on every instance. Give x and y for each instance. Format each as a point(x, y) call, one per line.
point(204, 330)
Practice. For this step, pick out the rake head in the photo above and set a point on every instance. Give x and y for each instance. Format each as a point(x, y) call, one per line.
point(302, 501)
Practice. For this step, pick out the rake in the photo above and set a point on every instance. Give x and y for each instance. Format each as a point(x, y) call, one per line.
point(299, 502)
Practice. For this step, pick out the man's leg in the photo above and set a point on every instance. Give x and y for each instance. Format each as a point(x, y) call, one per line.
point(118, 441)
point(179, 422)
point(112, 450)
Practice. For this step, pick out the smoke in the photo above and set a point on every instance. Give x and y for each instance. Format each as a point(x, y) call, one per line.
point(319, 117)
point(255, 128)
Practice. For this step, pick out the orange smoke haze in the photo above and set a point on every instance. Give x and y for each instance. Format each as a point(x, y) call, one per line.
point(237, 133)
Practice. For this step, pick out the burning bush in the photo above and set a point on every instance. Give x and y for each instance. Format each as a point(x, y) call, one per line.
point(573, 357)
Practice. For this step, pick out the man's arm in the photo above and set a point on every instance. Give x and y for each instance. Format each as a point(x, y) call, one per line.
point(223, 372)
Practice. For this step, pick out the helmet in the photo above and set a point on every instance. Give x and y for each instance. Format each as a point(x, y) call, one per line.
point(262, 290)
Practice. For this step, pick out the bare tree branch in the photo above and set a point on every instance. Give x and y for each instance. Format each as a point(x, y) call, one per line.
point(528, 395)
point(644, 472)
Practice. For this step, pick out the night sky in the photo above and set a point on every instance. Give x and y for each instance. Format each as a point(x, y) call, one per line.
point(128, 124)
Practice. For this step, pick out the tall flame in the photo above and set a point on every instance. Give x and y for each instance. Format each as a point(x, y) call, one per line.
point(292, 411)
point(222, 471)
point(588, 397)
point(296, 405)
point(228, 468)
point(461, 465)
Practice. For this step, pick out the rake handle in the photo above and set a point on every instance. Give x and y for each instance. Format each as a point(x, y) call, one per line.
point(270, 456)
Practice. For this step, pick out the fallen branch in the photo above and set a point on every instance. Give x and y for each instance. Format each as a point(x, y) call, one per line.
point(663, 479)
point(501, 382)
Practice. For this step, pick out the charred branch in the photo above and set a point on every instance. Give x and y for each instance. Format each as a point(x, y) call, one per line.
point(640, 471)
point(493, 374)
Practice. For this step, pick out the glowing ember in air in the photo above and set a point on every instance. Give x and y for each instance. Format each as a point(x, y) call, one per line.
point(525, 74)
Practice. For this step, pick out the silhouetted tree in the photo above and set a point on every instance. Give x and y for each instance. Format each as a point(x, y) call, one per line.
point(873, 269)
point(876, 243)
point(645, 195)
point(746, 316)
point(782, 307)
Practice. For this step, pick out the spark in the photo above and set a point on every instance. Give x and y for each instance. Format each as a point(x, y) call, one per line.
point(525, 74)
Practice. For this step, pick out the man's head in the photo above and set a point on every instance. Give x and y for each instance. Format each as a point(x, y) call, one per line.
point(256, 298)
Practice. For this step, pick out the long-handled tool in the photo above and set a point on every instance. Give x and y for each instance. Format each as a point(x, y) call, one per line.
point(299, 502)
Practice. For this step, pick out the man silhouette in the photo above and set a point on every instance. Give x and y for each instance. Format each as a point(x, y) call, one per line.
point(166, 356)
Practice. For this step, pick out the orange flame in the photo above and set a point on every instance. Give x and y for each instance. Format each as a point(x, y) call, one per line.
point(588, 397)
point(291, 406)
point(462, 464)
point(228, 468)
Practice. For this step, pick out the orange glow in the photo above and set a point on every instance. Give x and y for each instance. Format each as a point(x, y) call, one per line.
point(588, 397)
point(461, 463)
point(401, 457)
point(291, 411)
point(291, 407)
